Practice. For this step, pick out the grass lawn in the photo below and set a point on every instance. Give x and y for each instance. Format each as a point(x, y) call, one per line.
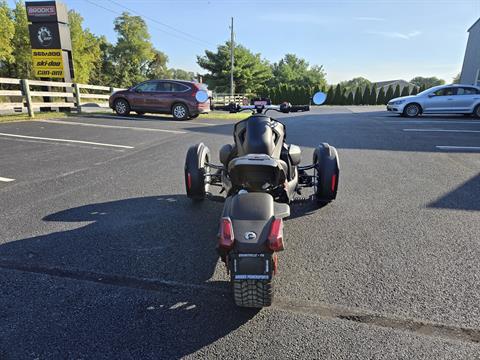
point(223, 115)
point(38, 116)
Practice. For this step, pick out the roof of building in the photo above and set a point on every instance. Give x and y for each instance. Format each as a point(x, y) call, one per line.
point(474, 24)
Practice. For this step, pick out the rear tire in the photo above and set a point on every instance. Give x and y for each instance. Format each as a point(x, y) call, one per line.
point(412, 110)
point(253, 293)
point(180, 111)
point(122, 107)
point(327, 171)
point(476, 112)
point(196, 184)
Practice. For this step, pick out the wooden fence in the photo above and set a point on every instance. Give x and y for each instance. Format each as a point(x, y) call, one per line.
point(225, 99)
point(26, 94)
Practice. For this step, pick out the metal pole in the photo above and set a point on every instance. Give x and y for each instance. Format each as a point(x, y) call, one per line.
point(232, 47)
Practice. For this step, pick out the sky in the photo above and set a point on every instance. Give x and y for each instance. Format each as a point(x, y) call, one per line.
point(376, 39)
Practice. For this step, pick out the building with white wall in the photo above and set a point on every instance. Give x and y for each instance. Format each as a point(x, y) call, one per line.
point(471, 64)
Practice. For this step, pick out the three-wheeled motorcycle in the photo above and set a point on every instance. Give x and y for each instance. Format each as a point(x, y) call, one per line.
point(261, 175)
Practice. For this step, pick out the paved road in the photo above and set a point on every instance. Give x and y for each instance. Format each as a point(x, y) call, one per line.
point(102, 255)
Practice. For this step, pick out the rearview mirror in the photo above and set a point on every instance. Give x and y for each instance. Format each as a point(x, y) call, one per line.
point(319, 98)
point(201, 96)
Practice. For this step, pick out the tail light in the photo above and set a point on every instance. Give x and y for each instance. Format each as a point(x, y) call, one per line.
point(334, 181)
point(226, 238)
point(275, 237)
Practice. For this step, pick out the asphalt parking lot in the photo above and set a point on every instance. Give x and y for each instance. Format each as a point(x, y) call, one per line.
point(103, 256)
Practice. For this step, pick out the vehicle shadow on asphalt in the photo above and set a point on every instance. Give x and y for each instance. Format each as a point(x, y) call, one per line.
point(164, 245)
point(462, 198)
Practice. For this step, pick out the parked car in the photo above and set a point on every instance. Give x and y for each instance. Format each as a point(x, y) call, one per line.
point(444, 99)
point(175, 97)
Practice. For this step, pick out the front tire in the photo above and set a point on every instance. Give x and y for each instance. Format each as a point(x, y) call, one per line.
point(122, 107)
point(412, 110)
point(180, 112)
point(253, 293)
point(196, 167)
point(327, 172)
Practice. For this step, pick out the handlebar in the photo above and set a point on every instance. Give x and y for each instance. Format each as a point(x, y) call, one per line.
point(284, 108)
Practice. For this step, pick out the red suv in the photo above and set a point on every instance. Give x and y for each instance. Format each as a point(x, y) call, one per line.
point(174, 97)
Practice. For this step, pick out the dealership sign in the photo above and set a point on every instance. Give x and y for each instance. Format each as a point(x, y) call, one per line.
point(48, 63)
point(50, 39)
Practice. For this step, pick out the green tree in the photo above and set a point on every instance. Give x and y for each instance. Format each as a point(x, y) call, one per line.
point(22, 51)
point(428, 82)
point(251, 72)
point(456, 79)
point(358, 96)
point(6, 36)
point(181, 74)
point(350, 100)
point(366, 96)
point(330, 95)
point(397, 91)
point(422, 88)
point(296, 71)
point(86, 51)
point(373, 96)
point(133, 52)
point(381, 97)
point(389, 95)
point(355, 83)
point(103, 72)
point(414, 91)
point(405, 91)
point(157, 68)
point(338, 97)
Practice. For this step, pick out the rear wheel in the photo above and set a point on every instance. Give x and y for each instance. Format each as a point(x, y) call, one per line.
point(326, 172)
point(196, 166)
point(180, 111)
point(412, 110)
point(477, 111)
point(253, 293)
point(122, 107)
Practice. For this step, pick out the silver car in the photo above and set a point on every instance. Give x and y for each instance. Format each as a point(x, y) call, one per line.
point(444, 99)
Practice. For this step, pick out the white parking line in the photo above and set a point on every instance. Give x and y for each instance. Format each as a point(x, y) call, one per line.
point(426, 122)
point(111, 126)
point(66, 140)
point(467, 148)
point(4, 179)
point(443, 130)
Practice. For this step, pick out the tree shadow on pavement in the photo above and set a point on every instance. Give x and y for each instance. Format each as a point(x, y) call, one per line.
point(122, 257)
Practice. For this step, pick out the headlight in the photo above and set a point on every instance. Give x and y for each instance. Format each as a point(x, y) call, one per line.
point(398, 102)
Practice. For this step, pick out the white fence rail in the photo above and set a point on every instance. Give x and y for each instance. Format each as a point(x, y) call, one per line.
point(25, 94)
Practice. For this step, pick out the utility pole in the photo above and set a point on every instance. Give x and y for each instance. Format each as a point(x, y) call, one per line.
point(232, 48)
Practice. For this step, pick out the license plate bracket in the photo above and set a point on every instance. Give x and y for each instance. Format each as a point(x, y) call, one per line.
point(251, 266)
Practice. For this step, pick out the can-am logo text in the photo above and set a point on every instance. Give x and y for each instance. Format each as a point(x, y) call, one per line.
point(48, 10)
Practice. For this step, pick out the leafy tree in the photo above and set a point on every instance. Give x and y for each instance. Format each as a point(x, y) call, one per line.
point(381, 97)
point(22, 51)
point(103, 72)
point(251, 72)
point(414, 91)
point(85, 48)
point(389, 95)
point(456, 79)
point(338, 97)
point(6, 36)
point(133, 52)
point(181, 74)
point(157, 68)
point(405, 91)
point(296, 71)
point(358, 96)
point(355, 83)
point(397, 91)
point(428, 82)
point(422, 88)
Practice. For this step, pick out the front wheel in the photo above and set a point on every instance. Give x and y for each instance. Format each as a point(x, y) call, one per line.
point(253, 293)
point(326, 172)
point(122, 107)
point(180, 112)
point(196, 168)
point(476, 113)
point(412, 110)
